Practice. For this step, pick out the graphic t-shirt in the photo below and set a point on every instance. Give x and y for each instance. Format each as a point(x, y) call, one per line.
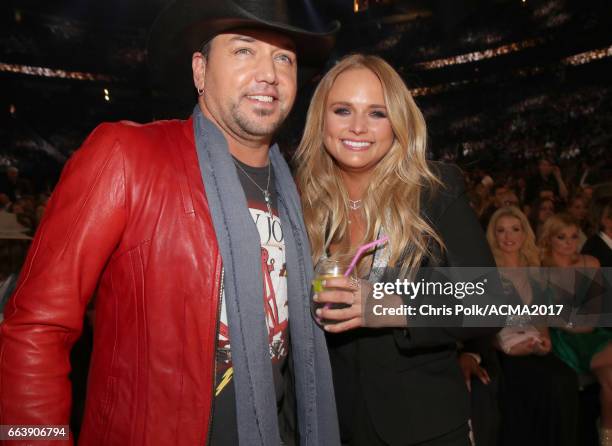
point(224, 427)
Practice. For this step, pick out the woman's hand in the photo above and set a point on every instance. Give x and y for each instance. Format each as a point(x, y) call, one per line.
point(523, 348)
point(346, 303)
point(531, 346)
point(470, 367)
point(341, 292)
point(542, 347)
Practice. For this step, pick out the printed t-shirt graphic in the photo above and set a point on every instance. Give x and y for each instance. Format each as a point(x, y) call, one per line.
point(274, 301)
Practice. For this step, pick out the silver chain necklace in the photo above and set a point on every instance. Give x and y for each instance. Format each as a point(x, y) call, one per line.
point(354, 204)
point(265, 192)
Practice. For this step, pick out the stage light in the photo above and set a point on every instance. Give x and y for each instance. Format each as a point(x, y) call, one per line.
point(480, 55)
point(588, 56)
point(52, 72)
point(360, 5)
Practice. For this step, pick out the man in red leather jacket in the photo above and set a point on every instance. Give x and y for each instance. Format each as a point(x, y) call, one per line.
point(147, 218)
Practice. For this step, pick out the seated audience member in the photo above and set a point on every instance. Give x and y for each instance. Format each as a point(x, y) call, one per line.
point(541, 210)
point(587, 192)
point(25, 213)
point(5, 202)
point(547, 194)
point(582, 348)
point(13, 185)
point(502, 196)
point(539, 393)
point(480, 194)
point(599, 245)
point(577, 208)
point(14, 244)
point(548, 177)
point(510, 198)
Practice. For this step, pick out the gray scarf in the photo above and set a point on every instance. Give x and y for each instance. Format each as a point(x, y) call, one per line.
point(239, 244)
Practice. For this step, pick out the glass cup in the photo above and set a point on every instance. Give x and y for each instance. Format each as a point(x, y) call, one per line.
point(328, 268)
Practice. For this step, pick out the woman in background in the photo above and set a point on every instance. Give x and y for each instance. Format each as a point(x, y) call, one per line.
point(577, 208)
point(541, 210)
point(539, 393)
point(582, 348)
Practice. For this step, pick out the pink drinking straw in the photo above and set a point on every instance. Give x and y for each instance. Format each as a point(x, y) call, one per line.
point(358, 254)
point(361, 250)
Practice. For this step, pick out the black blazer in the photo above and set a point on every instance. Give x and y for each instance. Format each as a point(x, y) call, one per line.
point(409, 379)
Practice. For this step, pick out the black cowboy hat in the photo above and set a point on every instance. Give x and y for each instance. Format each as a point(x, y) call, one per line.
point(185, 25)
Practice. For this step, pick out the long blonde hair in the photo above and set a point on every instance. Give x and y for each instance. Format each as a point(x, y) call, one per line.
point(555, 224)
point(529, 253)
point(392, 199)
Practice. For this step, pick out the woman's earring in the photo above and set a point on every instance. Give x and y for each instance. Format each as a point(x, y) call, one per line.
point(200, 91)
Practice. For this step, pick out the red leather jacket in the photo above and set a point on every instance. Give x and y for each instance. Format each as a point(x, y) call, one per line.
point(129, 222)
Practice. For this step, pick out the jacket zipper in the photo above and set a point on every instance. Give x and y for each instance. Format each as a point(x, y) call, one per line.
point(214, 364)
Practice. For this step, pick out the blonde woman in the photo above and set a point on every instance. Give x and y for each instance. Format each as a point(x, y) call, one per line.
point(362, 173)
point(512, 242)
point(585, 350)
point(539, 394)
point(519, 248)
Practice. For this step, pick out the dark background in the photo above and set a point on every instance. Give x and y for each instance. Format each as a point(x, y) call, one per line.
point(493, 113)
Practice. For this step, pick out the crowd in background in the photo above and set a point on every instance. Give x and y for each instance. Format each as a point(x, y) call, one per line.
point(544, 190)
point(547, 218)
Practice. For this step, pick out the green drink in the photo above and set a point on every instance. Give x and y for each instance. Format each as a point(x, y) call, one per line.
point(317, 282)
point(328, 269)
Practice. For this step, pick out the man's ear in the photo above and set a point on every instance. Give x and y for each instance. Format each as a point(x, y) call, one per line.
point(198, 67)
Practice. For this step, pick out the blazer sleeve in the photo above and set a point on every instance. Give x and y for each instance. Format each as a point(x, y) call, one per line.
point(43, 318)
point(466, 246)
